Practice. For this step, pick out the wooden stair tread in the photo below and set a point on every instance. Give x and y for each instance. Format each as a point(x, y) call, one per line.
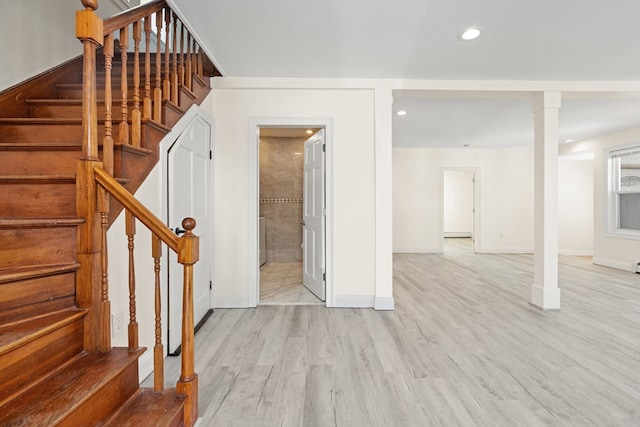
point(49, 179)
point(39, 222)
point(149, 408)
point(28, 272)
point(69, 101)
point(66, 389)
point(16, 334)
point(40, 120)
point(34, 146)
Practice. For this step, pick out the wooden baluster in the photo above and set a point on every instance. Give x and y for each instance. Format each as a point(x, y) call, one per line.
point(200, 63)
point(107, 141)
point(157, 91)
point(158, 349)
point(124, 125)
point(181, 67)
point(188, 253)
point(188, 70)
point(146, 103)
point(135, 114)
point(194, 58)
point(166, 83)
point(105, 304)
point(174, 64)
point(130, 224)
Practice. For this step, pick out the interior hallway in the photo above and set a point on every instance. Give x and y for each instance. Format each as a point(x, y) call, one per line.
point(463, 347)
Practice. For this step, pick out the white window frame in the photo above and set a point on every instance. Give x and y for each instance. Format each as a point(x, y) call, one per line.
point(612, 158)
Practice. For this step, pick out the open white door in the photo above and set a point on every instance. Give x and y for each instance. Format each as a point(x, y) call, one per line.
point(313, 223)
point(189, 161)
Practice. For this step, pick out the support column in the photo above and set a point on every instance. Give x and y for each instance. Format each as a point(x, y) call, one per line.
point(545, 293)
point(383, 207)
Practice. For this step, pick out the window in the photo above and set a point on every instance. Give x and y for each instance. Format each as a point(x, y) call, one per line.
point(623, 167)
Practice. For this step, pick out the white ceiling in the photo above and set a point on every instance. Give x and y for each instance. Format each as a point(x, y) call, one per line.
point(555, 40)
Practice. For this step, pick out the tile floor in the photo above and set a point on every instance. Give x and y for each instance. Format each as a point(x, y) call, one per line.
point(458, 244)
point(281, 284)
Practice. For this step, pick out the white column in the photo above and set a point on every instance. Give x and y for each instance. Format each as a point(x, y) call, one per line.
point(545, 293)
point(383, 207)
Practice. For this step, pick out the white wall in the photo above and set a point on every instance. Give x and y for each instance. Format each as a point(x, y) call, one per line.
point(351, 164)
point(506, 198)
point(617, 252)
point(575, 206)
point(149, 194)
point(36, 35)
point(458, 203)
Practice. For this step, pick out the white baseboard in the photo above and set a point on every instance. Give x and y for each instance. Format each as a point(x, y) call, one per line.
point(354, 301)
point(230, 302)
point(384, 303)
point(620, 265)
point(145, 365)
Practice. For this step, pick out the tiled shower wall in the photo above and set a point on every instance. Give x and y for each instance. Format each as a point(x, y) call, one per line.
point(281, 179)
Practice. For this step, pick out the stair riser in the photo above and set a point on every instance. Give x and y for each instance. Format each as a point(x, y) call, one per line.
point(45, 132)
point(29, 362)
point(40, 162)
point(37, 246)
point(34, 296)
point(34, 200)
point(75, 111)
point(104, 402)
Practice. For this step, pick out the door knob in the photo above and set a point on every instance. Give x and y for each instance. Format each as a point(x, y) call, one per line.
point(180, 231)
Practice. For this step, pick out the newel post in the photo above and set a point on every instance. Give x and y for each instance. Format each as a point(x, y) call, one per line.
point(188, 255)
point(90, 289)
point(89, 30)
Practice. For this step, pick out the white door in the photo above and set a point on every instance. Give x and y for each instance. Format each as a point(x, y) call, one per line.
point(313, 223)
point(189, 195)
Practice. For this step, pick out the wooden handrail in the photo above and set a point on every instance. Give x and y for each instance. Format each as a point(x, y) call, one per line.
point(129, 16)
point(147, 217)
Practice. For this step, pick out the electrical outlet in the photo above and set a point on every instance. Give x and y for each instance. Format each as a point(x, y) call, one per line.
point(117, 323)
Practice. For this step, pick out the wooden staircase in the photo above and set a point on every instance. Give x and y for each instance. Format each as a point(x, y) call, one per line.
point(57, 366)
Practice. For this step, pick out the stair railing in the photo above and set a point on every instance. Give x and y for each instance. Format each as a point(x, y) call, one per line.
point(159, 77)
point(187, 251)
point(164, 79)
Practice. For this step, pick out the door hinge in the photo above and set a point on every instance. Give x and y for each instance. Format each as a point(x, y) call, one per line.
point(324, 277)
point(210, 285)
point(210, 154)
point(324, 147)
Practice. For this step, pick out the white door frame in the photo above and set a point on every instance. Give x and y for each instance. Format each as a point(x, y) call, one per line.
point(255, 123)
point(476, 205)
point(165, 145)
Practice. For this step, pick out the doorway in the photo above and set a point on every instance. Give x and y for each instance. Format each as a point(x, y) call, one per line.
point(291, 215)
point(254, 273)
point(460, 201)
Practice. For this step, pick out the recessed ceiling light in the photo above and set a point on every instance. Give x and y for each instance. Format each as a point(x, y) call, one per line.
point(568, 140)
point(470, 33)
point(466, 145)
point(401, 113)
point(309, 131)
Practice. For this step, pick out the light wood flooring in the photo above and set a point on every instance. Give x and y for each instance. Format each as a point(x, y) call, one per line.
point(281, 284)
point(462, 348)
